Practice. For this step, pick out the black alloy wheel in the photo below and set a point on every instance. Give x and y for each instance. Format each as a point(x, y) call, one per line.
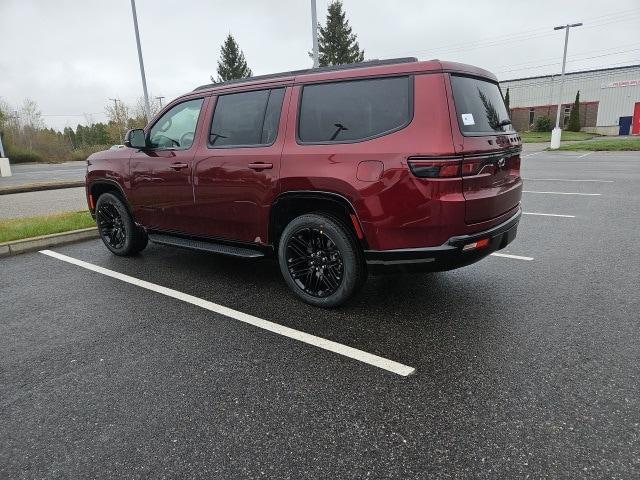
point(314, 262)
point(117, 229)
point(111, 225)
point(321, 259)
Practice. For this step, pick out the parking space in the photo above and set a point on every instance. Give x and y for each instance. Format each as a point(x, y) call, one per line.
point(525, 364)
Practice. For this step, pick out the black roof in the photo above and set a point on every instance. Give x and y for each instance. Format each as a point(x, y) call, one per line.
point(368, 63)
point(571, 73)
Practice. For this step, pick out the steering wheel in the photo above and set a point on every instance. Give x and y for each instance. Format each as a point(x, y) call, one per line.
point(186, 140)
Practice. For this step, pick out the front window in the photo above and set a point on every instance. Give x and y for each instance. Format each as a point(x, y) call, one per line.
point(177, 127)
point(479, 106)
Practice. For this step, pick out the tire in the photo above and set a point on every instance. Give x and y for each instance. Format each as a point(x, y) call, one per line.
point(117, 229)
point(320, 260)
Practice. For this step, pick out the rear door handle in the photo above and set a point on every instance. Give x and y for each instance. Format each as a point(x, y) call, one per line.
point(178, 165)
point(260, 166)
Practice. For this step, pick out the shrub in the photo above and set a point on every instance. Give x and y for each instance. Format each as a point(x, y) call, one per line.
point(22, 155)
point(84, 152)
point(543, 124)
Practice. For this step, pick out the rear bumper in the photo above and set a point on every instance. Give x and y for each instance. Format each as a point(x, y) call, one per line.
point(448, 256)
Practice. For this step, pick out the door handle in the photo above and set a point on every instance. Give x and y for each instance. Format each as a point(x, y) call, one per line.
point(260, 166)
point(178, 165)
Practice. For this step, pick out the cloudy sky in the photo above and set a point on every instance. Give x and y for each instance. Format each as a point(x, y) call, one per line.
point(71, 56)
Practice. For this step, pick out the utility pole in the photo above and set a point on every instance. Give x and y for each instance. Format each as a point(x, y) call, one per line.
point(160, 100)
point(115, 103)
point(144, 78)
point(556, 134)
point(314, 33)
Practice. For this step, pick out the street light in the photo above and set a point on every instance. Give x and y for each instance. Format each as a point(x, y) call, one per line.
point(314, 33)
point(556, 134)
point(144, 79)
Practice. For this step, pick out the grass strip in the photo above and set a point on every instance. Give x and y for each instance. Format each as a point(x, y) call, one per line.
point(28, 227)
point(541, 137)
point(622, 145)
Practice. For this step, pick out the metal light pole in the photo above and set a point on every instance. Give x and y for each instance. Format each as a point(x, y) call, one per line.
point(556, 134)
point(144, 79)
point(314, 33)
point(160, 100)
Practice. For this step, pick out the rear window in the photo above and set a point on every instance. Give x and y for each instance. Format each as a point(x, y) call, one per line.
point(353, 110)
point(479, 106)
point(246, 119)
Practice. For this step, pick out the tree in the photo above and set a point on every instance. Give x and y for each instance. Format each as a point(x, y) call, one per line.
point(118, 115)
point(337, 44)
point(232, 64)
point(574, 117)
point(506, 100)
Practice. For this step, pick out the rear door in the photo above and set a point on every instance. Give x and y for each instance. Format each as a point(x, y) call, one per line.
point(490, 147)
point(236, 178)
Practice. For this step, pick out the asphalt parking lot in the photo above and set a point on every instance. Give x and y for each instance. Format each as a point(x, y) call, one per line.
point(520, 367)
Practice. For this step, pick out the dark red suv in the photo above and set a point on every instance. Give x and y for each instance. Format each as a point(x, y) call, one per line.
point(339, 171)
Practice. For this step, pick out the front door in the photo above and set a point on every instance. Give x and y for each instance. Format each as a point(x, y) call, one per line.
point(236, 179)
point(635, 127)
point(161, 175)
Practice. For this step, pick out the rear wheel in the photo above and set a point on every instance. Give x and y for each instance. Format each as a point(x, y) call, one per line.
point(117, 229)
point(321, 260)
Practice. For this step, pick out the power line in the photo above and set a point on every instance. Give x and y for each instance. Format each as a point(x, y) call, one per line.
point(601, 20)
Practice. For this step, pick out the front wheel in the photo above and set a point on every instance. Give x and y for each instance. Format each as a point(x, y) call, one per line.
point(117, 229)
point(321, 260)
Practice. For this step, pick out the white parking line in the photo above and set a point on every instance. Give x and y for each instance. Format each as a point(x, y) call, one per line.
point(564, 193)
point(319, 342)
point(530, 154)
point(584, 155)
point(564, 180)
point(548, 214)
point(515, 257)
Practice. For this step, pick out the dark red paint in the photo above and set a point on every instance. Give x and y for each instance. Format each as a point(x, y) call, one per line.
point(228, 193)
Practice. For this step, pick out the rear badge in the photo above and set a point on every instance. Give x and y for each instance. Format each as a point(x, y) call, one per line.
point(501, 163)
point(467, 119)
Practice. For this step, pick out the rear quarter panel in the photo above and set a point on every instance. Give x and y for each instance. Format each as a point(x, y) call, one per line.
point(392, 210)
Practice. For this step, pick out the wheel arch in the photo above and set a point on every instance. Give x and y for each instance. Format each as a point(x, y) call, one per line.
point(289, 205)
point(100, 186)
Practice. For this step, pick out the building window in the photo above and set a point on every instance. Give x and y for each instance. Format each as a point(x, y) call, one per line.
point(567, 114)
point(532, 112)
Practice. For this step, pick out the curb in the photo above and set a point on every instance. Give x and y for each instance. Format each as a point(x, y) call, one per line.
point(16, 247)
point(36, 187)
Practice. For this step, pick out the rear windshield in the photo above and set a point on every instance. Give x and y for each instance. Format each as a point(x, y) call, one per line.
point(479, 106)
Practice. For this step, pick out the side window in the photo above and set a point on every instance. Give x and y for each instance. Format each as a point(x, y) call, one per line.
point(353, 110)
point(177, 127)
point(246, 118)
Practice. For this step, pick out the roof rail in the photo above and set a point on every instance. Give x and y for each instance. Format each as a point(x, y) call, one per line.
point(347, 66)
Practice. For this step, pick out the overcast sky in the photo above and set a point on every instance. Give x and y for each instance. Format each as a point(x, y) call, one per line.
point(70, 56)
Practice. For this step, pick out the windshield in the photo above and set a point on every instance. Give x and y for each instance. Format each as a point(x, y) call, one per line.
point(479, 106)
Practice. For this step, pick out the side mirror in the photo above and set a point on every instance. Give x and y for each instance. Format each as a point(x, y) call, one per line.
point(135, 138)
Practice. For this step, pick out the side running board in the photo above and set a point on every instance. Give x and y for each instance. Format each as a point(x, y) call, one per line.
point(204, 246)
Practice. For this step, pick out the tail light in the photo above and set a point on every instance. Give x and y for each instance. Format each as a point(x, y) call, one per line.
point(514, 165)
point(434, 168)
point(471, 166)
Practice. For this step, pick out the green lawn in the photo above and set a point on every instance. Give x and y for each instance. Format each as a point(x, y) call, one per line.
point(623, 144)
point(541, 137)
point(27, 227)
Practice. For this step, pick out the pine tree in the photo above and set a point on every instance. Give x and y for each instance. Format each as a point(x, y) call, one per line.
point(506, 101)
point(574, 116)
point(336, 42)
point(232, 64)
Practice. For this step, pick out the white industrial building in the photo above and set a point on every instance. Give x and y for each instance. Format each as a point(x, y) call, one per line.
point(609, 99)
